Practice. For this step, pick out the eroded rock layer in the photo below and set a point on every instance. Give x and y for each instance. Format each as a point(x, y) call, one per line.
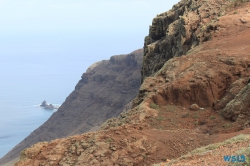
point(182, 28)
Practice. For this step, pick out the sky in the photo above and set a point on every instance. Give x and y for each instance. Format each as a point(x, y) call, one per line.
point(91, 29)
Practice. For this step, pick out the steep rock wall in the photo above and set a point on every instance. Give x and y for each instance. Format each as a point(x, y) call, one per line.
point(182, 28)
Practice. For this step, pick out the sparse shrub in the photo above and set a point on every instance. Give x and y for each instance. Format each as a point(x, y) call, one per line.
point(172, 109)
point(212, 117)
point(144, 156)
point(160, 118)
point(109, 140)
point(195, 116)
point(154, 106)
point(238, 2)
point(226, 125)
point(185, 115)
point(247, 160)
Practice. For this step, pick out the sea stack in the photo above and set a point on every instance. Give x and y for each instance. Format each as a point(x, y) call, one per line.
point(47, 106)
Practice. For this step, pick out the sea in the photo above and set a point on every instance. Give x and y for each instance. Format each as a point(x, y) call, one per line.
point(30, 73)
point(24, 84)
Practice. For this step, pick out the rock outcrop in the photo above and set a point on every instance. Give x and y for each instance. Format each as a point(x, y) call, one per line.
point(174, 33)
point(47, 106)
point(44, 103)
point(103, 92)
point(195, 54)
point(238, 109)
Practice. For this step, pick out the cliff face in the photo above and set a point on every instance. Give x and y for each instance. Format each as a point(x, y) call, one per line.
point(175, 32)
point(103, 92)
point(202, 95)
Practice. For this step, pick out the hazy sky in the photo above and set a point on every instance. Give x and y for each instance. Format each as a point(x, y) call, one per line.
point(50, 16)
point(78, 24)
point(83, 30)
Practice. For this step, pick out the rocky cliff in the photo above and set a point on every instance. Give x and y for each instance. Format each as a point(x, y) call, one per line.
point(174, 33)
point(103, 92)
point(194, 92)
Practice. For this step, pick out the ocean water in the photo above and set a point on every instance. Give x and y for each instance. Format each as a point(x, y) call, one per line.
point(24, 83)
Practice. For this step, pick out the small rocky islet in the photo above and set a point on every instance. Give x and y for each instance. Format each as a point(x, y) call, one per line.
point(47, 106)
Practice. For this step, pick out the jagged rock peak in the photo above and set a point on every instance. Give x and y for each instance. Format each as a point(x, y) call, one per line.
point(182, 28)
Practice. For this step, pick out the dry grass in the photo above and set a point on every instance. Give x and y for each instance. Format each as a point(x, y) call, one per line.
point(209, 148)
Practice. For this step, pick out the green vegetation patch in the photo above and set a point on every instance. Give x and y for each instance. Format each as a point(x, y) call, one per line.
point(160, 118)
point(212, 117)
point(109, 140)
point(185, 115)
point(154, 106)
point(238, 2)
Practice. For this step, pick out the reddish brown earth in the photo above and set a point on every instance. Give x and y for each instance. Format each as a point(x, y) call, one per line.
point(161, 126)
point(214, 155)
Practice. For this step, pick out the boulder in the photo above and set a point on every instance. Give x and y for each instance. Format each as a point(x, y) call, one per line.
point(194, 107)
